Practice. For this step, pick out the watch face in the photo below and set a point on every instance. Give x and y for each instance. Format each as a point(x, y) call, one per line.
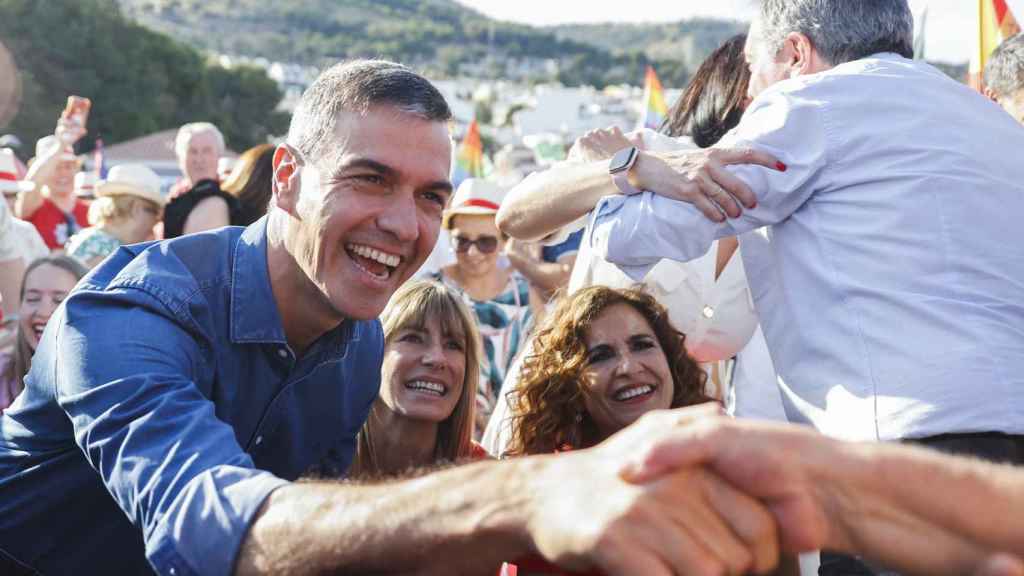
point(623, 160)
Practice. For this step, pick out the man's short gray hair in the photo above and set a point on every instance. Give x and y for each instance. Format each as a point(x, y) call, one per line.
point(356, 86)
point(1004, 71)
point(187, 131)
point(841, 30)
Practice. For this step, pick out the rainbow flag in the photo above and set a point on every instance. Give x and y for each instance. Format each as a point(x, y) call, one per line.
point(995, 24)
point(469, 158)
point(655, 111)
point(97, 161)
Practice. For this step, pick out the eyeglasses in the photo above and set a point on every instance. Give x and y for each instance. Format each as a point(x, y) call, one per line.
point(485, 244)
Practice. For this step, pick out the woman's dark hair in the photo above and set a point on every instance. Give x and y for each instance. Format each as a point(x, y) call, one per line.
point(22, 360)
point(250, 182)
point(713, 102)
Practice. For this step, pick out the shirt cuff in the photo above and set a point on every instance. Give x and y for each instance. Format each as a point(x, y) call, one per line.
point(608, 220)
point(204, 529)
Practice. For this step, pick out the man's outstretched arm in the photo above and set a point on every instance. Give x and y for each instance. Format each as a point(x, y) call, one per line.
point(573, 509)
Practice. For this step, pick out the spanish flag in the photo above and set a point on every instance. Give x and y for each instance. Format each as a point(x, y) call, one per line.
point(469, 159)
point(655, 111)
point(995, 24)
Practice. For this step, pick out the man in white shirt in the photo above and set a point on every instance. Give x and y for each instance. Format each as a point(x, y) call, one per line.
point(1004, 76)
point(892, 237)
point(889, 288)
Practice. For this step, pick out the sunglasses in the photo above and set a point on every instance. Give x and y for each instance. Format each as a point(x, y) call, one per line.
point(485, 244)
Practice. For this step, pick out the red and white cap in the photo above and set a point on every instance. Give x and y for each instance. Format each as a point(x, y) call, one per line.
point(9, 180)
point(474, 196)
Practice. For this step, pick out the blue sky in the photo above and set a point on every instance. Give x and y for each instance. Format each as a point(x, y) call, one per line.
point(949, 28)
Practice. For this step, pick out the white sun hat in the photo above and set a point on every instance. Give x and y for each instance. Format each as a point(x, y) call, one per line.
point(132, 180)
point(474, 196)
point(9, 181)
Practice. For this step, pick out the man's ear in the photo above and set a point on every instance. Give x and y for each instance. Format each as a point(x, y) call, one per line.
point(800, 55)
point(286, 179)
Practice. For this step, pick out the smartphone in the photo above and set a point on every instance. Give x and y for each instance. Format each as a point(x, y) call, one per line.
point(77, 111)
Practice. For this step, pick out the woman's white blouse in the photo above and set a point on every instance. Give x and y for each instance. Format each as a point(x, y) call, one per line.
point(717, 315)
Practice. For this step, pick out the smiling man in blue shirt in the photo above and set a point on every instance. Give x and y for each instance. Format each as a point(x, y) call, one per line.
point(184, 386)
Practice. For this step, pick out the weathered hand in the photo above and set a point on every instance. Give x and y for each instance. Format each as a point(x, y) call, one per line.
point(699, 177)
point(823, 493)
point(687, 522)
point(771, 462)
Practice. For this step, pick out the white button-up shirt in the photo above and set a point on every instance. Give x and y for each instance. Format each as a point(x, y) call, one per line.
point(891, 284)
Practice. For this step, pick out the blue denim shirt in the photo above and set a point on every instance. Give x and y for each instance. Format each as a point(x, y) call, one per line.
point(164, 405)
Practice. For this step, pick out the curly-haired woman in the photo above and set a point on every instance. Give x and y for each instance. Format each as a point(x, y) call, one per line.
point(603, 358)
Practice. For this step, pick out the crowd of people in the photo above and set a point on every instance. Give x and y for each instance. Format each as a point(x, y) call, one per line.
point(790, 321)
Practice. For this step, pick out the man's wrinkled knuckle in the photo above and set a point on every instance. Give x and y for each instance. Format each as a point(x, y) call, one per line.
point(740, 563)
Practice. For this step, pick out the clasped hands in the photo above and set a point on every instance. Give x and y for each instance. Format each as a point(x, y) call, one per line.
point(692, 491)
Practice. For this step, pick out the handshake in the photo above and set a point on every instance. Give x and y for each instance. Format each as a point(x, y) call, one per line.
point(695, 492)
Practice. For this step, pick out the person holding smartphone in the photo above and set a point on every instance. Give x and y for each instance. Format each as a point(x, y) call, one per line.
point(51, 206)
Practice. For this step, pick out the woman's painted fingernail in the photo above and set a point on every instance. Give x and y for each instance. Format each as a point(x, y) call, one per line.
point(781, 167)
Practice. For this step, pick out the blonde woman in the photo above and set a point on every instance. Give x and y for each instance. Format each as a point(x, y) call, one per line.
point(46, 284)
point(128, 204)
point(424, 413)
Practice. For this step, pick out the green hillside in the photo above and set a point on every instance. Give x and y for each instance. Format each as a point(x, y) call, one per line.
point(139, 81)
point(689, 41)
point(440, 37)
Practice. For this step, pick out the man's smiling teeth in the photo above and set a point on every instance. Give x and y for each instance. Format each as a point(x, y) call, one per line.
point(633, 392)
point(432, 387)
point(376, 255)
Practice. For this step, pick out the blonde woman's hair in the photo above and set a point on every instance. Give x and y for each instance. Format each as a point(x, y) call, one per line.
point(412, 306)
point(107, 209)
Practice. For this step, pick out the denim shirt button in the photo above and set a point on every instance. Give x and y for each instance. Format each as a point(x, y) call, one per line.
point(283, 353)
point(259, 440)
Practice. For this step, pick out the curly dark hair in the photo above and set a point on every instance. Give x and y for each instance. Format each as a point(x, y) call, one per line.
point(549, 399)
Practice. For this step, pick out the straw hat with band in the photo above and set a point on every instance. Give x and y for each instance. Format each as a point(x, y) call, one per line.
point(474, 196)
point(9, 181)
point(131, 180)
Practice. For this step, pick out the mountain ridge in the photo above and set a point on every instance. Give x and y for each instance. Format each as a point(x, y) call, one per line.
point(441, 37)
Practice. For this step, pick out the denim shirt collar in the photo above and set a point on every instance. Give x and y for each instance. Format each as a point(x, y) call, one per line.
point(255, 318)
point(254, 314)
